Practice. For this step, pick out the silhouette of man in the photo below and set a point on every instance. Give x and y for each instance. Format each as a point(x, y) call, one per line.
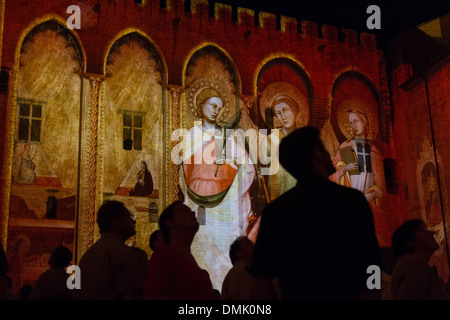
point(173, 272)
point(110, 270)
point(413, 278)
point(239, 284)
point(52, 284)
point(318, 238)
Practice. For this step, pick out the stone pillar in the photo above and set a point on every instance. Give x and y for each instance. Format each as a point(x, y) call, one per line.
point(94, 84)
point(87, 197)
point(175, 93)
point(7, 154)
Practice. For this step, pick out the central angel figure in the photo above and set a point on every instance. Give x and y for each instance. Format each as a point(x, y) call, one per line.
point(215, 178)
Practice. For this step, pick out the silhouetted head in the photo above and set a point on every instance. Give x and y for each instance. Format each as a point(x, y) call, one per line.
point(303, 153)
point(114, 217)
point(177, 217)
point(60, 257)
point(241, 249)
point(411, 237)
point(25, 292)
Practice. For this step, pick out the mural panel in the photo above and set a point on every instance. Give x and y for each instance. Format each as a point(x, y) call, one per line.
point(283, 97)
point(131, 142)
point(45, 159)
point(283, 107)
point(358, 159)
point(358, 162)
point(429, 199)
point(215, 173)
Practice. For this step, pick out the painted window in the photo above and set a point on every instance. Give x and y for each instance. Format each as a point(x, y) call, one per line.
point(30, 118)
point(132, 131)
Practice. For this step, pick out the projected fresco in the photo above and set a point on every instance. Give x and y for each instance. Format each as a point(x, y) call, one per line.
point(225, 164)
point(215, 173)
point(46, 149)
point(189, 103)
point(358, 161)
point(131, 131)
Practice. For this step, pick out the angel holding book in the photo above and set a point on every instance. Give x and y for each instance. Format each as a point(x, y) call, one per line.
point(358, 162)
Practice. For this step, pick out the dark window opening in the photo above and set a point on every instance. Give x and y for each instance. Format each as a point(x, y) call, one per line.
point(132, 131)
point(30, 118)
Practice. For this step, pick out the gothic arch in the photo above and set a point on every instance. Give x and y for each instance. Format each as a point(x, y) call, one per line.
point(368, 93)
point(210, 65)
point(145, 42)
point(283, 72)
point(219, 54)
point(43, 124)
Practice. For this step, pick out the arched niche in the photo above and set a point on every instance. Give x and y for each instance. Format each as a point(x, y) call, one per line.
point(46, 137)
point(352, 85)
point(132, 123)
point(282, 76)
point(210, 65)
point(213, 192)
point(355, 119)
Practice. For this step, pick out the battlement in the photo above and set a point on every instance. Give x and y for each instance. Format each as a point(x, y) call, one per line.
point(258, 20)
point(178, 26)
point(261, 20)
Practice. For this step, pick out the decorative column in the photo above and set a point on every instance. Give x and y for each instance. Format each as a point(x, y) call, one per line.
point(94, 84)
point(7, 157)
point(88, 172)
point(175, 93)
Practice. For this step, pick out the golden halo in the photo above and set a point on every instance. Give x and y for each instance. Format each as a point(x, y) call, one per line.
point(195, 89)
point(358, 105)
point(272, 91)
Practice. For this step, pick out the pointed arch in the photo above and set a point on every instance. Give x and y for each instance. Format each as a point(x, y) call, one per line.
point(143, 40)
point(214, 50)
point(362, 88)
point(287, 75)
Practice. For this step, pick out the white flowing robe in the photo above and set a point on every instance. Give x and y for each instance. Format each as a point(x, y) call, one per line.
point(228, 219)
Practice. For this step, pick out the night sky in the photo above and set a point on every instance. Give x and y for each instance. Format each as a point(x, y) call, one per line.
point(396, 15)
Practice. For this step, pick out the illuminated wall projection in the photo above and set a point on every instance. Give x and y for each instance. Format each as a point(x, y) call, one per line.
point(358, 160)
point(190, 100)
point(45, 159)
point(429, 201)
point(131, 131)
point(215, 173)
point(229, 168)
point(284, 97)
point(224, 155)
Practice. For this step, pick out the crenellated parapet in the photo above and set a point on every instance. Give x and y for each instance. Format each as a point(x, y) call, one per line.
point(251, 21)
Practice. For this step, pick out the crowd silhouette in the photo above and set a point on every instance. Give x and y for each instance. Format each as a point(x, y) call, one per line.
point(315, 242)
